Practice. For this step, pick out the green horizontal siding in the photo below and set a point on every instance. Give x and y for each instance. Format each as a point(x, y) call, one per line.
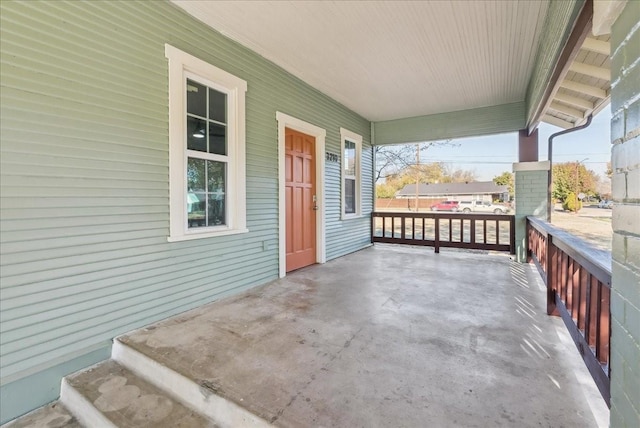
point(84, 190)
point(465, 123)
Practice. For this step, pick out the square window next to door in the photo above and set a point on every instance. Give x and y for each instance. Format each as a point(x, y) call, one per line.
point(351, 173)
point(206, 149)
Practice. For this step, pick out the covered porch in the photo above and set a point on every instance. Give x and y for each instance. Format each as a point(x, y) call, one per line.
point(380, 336)
point(388, 336)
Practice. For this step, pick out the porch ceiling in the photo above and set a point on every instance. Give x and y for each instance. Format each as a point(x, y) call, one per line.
point(390, 60)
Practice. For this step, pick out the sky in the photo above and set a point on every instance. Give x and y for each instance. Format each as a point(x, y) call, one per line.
point(491, 155)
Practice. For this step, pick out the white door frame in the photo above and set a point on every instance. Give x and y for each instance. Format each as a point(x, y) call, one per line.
point(286, 121)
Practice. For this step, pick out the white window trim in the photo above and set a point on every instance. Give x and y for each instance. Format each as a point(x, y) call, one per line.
point(286, 121)
point(346, 135)
point(181, 65)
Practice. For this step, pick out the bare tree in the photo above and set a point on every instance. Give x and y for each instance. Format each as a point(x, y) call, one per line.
point(392, 159)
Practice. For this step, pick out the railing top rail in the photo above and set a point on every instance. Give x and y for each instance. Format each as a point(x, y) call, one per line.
point(434, 214)
point(597, 261)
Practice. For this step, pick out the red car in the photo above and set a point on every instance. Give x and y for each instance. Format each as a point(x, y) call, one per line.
point(445, 206)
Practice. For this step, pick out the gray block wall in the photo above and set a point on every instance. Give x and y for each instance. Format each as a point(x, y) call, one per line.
point(531, 200)
point(625, 296)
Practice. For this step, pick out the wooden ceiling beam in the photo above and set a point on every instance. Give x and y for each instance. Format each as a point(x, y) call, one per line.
point(557, 121)
point(597, 46)
point(584, 89)
point(591, 70)
point(569, 111)
point(574, 101)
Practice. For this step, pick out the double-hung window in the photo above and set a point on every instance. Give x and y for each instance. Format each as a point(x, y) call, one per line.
point(351, 173)
point(206, 149)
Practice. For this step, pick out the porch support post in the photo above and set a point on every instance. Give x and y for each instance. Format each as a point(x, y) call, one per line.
point(528, 146)
point(530, 199)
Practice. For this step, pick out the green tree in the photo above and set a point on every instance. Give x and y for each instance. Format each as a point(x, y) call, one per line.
point(434, 172)
point(506, 179)
point(385, 191)
point(572, 203)
point(573, 177)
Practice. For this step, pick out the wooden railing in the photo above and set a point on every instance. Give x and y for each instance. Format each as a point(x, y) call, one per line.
point(472, 231)
point(578, 280)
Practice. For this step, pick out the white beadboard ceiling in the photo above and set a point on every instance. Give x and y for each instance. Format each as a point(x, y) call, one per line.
point(392, 59)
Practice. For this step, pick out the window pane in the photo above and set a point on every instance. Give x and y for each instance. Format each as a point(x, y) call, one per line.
point(196, 98)
point(196, 208)
point(349, 196)
point(217, 106)
point(206, 204)
point(217, 204)
point(349, 158)
point(196, 176)
point(216, 176)
point(216, 186)
point(217, 139)
point(196, 136)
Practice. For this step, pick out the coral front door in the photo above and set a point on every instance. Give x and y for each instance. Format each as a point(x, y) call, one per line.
point(301, 202)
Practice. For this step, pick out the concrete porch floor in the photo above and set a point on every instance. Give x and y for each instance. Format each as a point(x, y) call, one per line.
point(389, 336)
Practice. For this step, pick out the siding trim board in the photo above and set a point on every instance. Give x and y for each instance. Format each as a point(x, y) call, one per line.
point(26, 391)
point(457, 124)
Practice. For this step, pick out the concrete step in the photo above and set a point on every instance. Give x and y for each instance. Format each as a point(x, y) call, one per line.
point(110, 395)
point(54, 415)
point(202, 395)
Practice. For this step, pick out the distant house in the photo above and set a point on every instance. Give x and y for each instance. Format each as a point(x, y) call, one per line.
point(475, 190)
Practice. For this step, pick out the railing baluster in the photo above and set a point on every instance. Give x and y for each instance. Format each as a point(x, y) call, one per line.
point(560, 272)
point(565, 275)
point(437, 237)
point(393, 227)
point(598, 297)
point(484, 230)
point(604, 333)
point(384, 227)
point(472, 231)
point(413, 228)
point(570, 271)
point(512, 233)
point(582, 298)
point(575, 282)
point(552, 254)
point(450, 230)
point(593, 312)
point(543, 255)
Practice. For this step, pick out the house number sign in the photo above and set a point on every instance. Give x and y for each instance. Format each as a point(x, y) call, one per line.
point(332, 157)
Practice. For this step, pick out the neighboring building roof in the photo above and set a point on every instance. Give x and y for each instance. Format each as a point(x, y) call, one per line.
point(446, 189)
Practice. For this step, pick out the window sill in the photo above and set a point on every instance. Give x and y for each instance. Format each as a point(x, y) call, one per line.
point(190, 237)
point(350, 216)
